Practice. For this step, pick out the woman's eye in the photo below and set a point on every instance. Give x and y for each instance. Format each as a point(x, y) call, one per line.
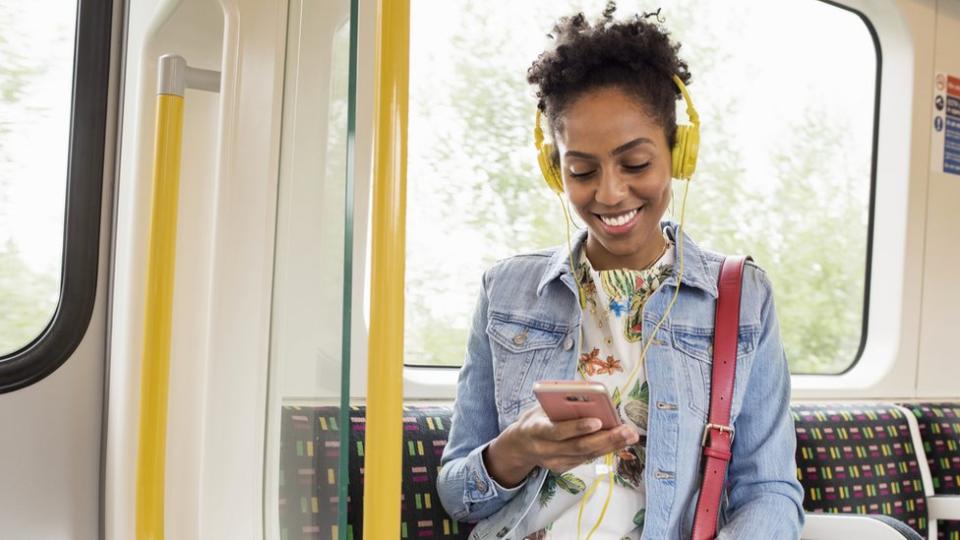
point(636, 168)
point(585, 174)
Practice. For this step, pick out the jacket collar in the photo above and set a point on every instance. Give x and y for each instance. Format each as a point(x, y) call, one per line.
point(694, 263)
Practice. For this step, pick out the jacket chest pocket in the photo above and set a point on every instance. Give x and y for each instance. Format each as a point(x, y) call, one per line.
point(520, 356)
point(694, 348)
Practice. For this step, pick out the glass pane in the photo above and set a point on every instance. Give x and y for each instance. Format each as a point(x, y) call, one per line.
point(307, 354)
point(36, 69)
point(784, 172)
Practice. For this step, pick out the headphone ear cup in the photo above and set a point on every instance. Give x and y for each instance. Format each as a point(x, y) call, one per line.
point(685, 150)
point(551, 173)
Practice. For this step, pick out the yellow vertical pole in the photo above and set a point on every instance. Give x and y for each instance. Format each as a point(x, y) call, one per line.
point(384, 435)
point(174, 76)
point(155, 363)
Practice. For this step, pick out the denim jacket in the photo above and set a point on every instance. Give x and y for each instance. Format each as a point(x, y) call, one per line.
point(526, 328)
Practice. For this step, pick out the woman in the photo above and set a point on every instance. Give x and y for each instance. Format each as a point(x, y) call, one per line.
point(603, 309)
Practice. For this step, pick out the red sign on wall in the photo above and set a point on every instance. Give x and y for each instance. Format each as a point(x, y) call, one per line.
point(953, 86)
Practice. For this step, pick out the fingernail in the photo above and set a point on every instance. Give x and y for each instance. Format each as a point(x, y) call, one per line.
point(592, 424)
point(632, 436)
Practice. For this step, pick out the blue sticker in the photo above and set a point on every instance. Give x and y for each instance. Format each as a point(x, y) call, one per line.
point(953, 106)
point(951, 140)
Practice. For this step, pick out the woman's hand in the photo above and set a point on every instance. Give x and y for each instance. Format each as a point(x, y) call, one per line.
point(533, 440)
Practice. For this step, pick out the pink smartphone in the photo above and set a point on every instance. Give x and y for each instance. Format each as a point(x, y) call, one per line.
point(569, 400)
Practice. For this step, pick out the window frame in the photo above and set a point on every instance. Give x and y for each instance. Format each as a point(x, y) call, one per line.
point(420, 374)
point(82, 214)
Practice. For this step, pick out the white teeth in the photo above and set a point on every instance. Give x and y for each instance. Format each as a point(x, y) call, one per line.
point(616, 221)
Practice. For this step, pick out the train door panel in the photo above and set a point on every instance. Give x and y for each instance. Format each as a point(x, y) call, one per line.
point(212, 468)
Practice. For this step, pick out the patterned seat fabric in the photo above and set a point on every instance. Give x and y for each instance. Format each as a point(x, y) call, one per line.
point(309, 482)
point(309, 454)
point(850, 459)
point(859, 459)
point(940, 430)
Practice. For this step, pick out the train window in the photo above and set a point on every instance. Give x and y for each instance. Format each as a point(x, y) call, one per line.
point(785, 171)
point(54, 71)
point(37, 60)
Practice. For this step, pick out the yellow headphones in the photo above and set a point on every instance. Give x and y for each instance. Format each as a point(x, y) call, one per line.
point(684, 151)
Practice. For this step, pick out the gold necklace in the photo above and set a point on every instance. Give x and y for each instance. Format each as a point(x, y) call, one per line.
point(666, 244)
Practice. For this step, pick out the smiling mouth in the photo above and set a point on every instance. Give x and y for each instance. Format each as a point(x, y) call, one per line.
point(619, 221)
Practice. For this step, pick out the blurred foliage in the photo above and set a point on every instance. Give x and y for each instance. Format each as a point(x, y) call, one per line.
point(28, 297)
point(27, 300)
point(15, 73)
point(806, 226)
point(490, 186)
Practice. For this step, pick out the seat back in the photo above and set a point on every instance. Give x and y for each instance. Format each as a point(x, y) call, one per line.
point(309, 454)
point(860, 459)
point(850, 459)
point(939, 425)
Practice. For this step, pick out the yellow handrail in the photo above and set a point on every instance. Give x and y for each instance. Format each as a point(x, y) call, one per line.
point(384, 434)
point(155, 364)
point(174, 76)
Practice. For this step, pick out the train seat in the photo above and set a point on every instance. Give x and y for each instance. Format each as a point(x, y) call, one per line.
point(309, 447)
point(308, 457)
point(851, 458)
point(859, 459)
point(939, 425)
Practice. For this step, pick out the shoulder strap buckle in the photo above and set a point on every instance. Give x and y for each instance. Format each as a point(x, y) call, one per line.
point(719, 427)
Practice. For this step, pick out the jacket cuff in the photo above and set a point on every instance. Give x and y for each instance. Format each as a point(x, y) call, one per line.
point(479, 485)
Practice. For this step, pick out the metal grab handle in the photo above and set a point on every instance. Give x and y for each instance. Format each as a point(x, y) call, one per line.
point(174, 77)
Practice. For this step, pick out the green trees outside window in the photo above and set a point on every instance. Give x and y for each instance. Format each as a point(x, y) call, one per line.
point(784, 173)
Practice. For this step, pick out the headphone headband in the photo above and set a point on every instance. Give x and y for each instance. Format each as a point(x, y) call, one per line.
point(691, 111)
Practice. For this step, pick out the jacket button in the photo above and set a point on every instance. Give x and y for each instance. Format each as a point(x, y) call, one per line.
point(520, 339)
point(479, 482)
point(568, 343)
point(663, 475)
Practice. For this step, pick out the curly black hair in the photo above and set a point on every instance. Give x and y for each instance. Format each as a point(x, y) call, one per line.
point(635, 55)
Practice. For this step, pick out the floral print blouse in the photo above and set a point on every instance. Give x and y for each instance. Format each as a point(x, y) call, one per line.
point(610, 350)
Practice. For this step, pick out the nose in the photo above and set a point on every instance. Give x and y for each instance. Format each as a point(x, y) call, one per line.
point(612, 189)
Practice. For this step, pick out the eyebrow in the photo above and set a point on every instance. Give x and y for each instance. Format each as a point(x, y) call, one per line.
point(618, 150)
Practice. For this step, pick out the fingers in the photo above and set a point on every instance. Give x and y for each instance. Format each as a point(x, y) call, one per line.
point(599, 443)
point(571, 453)
point(535, 422)
point(570, 429)
point(560, 446)
point(564, 455)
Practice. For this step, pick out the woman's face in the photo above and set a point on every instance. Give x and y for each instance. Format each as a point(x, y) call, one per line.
point(616, 172)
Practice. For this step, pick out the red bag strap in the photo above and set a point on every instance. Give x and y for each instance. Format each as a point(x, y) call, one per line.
point(718, 433)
